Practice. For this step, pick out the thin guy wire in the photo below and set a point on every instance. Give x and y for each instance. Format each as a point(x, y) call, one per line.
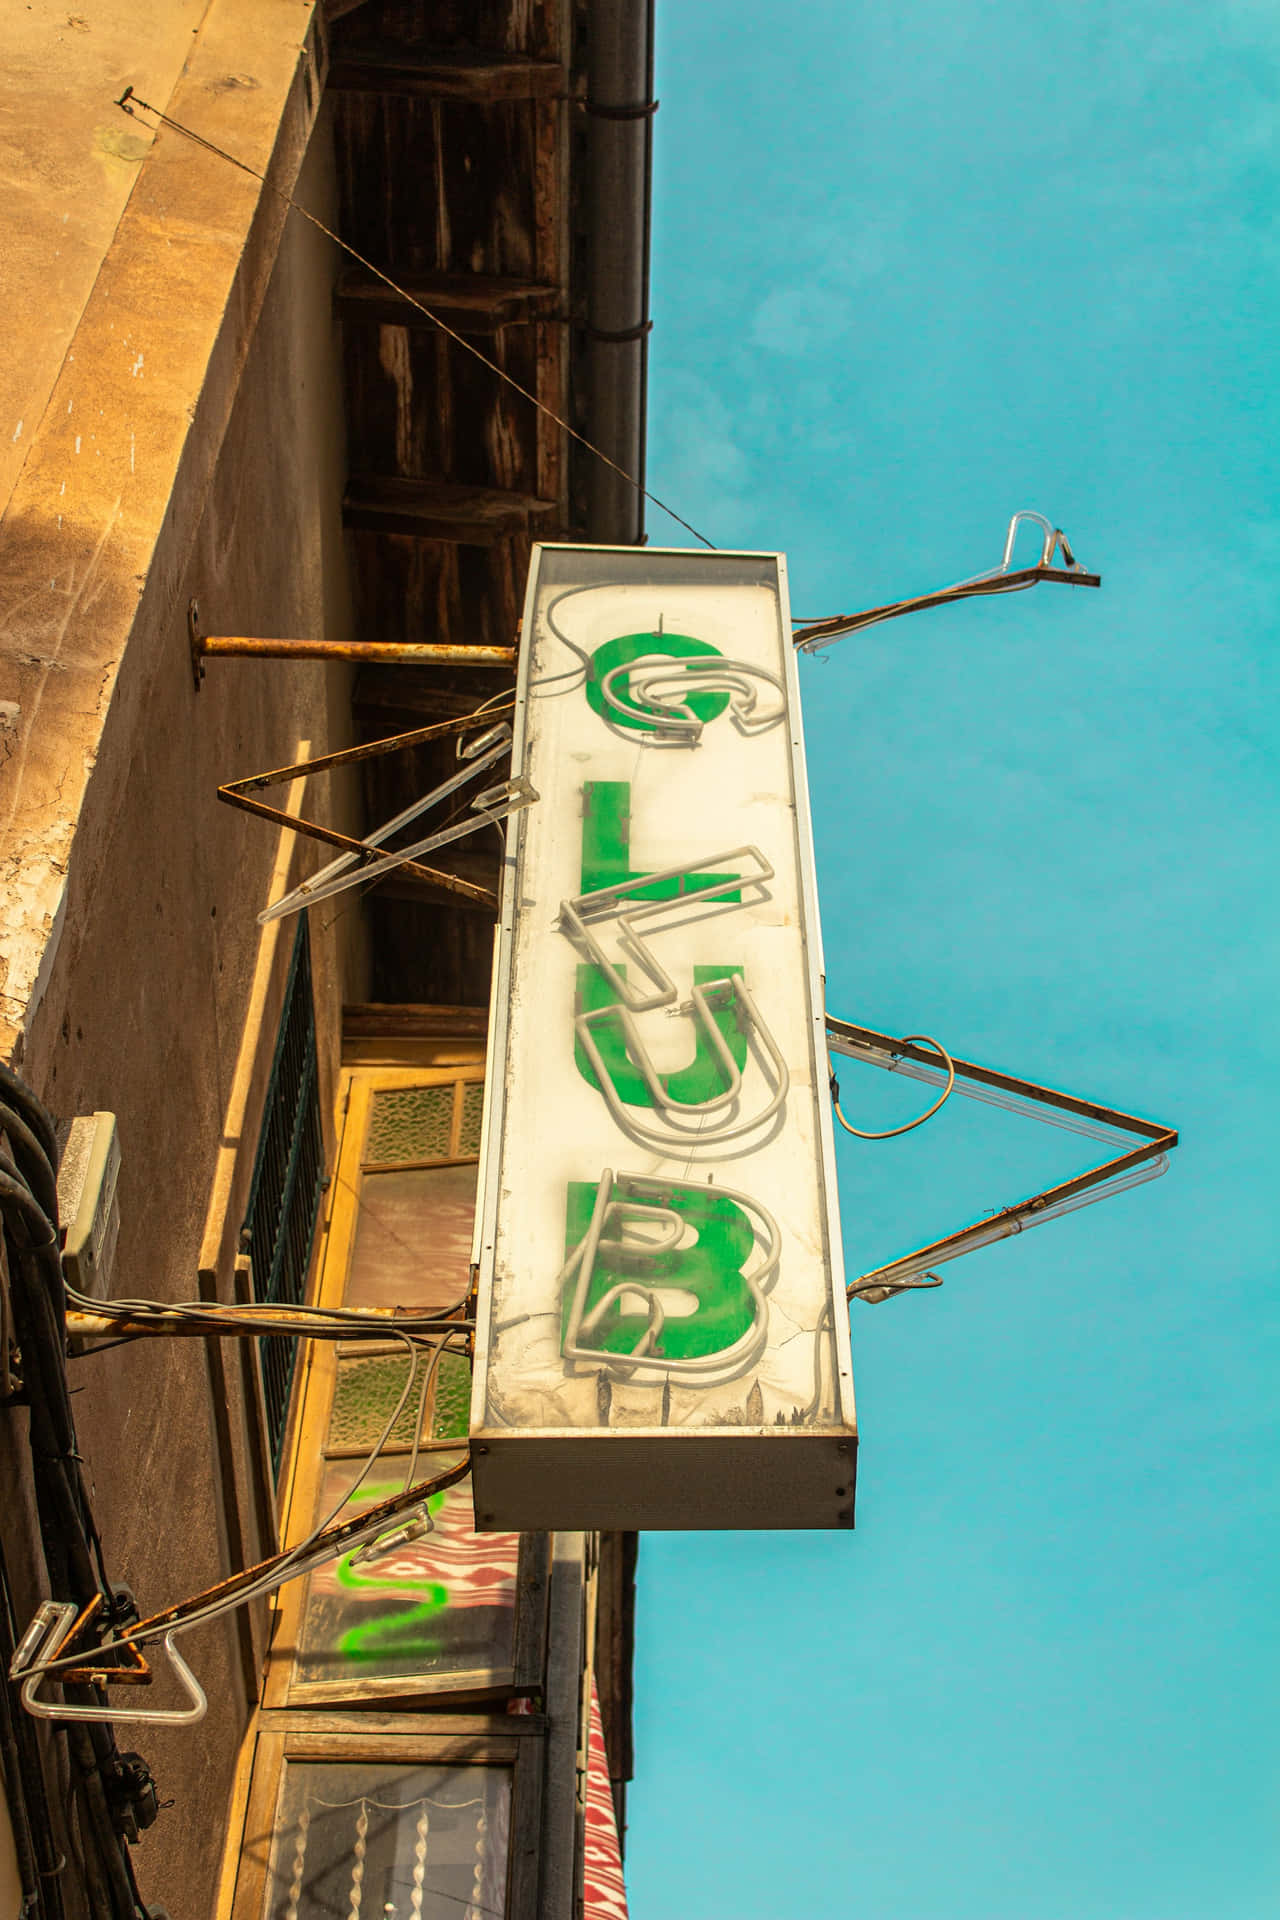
point(129, 95)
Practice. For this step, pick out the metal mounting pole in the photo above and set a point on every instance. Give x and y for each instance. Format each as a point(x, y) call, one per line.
point(389, 653)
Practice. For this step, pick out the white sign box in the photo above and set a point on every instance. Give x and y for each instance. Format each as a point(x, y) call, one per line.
point(663, 1338)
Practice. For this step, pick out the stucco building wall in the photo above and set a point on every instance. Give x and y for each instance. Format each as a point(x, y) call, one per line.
point(148, 961)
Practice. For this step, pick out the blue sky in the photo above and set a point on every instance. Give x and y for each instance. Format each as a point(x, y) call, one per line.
point(915, 267)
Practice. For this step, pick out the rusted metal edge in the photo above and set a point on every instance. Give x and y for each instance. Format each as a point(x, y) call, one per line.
point(236, 794)
point(333, 1538)
point(138, 1672)
point(372, 749)
point(989, 1077)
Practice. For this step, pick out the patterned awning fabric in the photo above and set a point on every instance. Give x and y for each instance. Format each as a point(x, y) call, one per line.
point(604, 1891)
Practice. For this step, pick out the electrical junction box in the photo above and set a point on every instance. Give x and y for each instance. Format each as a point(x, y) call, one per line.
point(88, 1173)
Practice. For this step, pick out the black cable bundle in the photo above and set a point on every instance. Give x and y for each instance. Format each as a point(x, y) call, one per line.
point(72, 1548)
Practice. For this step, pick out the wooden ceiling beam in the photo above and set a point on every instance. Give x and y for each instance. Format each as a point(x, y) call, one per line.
point(477, 80)
point(404, 887)
point(469, 302)
point(421, 693)
point(438, 510)
point(362, 1020)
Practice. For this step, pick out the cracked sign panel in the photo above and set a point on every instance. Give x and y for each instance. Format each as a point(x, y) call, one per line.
point(662, 1339)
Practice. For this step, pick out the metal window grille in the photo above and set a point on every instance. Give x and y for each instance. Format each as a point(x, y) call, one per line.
point(288, 1178)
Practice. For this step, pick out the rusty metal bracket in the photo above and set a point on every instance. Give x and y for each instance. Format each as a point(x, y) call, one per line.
point(54, 1636)
point(195, 641)
point(376, 653)
point(1145, 1162)
point(816, 634)
point(488, 808)
point(236, 793)
point(50, 1645)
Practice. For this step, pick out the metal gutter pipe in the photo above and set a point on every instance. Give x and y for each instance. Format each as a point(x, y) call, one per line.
point(619, 110)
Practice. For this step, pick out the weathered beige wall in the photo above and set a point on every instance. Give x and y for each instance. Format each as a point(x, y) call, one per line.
point(68, 161)
point(110, 821)
point(95, 536)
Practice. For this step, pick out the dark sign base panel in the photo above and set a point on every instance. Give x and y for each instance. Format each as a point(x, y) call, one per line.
point(659, 1480)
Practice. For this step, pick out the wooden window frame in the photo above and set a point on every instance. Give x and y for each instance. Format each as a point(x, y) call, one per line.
point(314, 1390)
point(514, 1743)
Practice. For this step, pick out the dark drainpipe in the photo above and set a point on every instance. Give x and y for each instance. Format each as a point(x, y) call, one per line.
point(619, 118)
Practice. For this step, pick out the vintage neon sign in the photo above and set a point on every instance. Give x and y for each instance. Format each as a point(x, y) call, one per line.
point(662, 1338)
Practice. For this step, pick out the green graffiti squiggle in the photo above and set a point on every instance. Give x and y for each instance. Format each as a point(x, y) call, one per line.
point(394, 1632)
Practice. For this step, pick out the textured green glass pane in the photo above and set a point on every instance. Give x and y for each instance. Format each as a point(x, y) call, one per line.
point(368, 1388)
point(452, 1410)
point(410, 1123)
point(472, 1104)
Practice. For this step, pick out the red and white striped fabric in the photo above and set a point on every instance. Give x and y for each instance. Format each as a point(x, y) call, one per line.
point(476, 1569)
point(604, 1890)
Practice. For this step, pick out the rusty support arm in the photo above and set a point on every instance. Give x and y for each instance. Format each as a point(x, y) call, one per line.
point(76, 1659)
point(236, 794)
point(393, 653)
point(373, 856)
point(390, 653)
point(247, 1323)
point(865, 1043)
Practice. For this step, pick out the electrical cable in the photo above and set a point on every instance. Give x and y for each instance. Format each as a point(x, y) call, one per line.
point(585, 666)
point(836, 626)
point(23, 1778)
point(428, 1375)
point(299, 1319)
point(16, 1093)
point(72, 1545)
point(891, 1133)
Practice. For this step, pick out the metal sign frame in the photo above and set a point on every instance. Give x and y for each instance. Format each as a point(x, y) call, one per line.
point(648, 1184)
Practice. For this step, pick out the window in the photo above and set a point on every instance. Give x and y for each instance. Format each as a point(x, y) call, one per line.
point(288, 1178)
point(395, 1764)
point(433, 1820)
point(457, 1615)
